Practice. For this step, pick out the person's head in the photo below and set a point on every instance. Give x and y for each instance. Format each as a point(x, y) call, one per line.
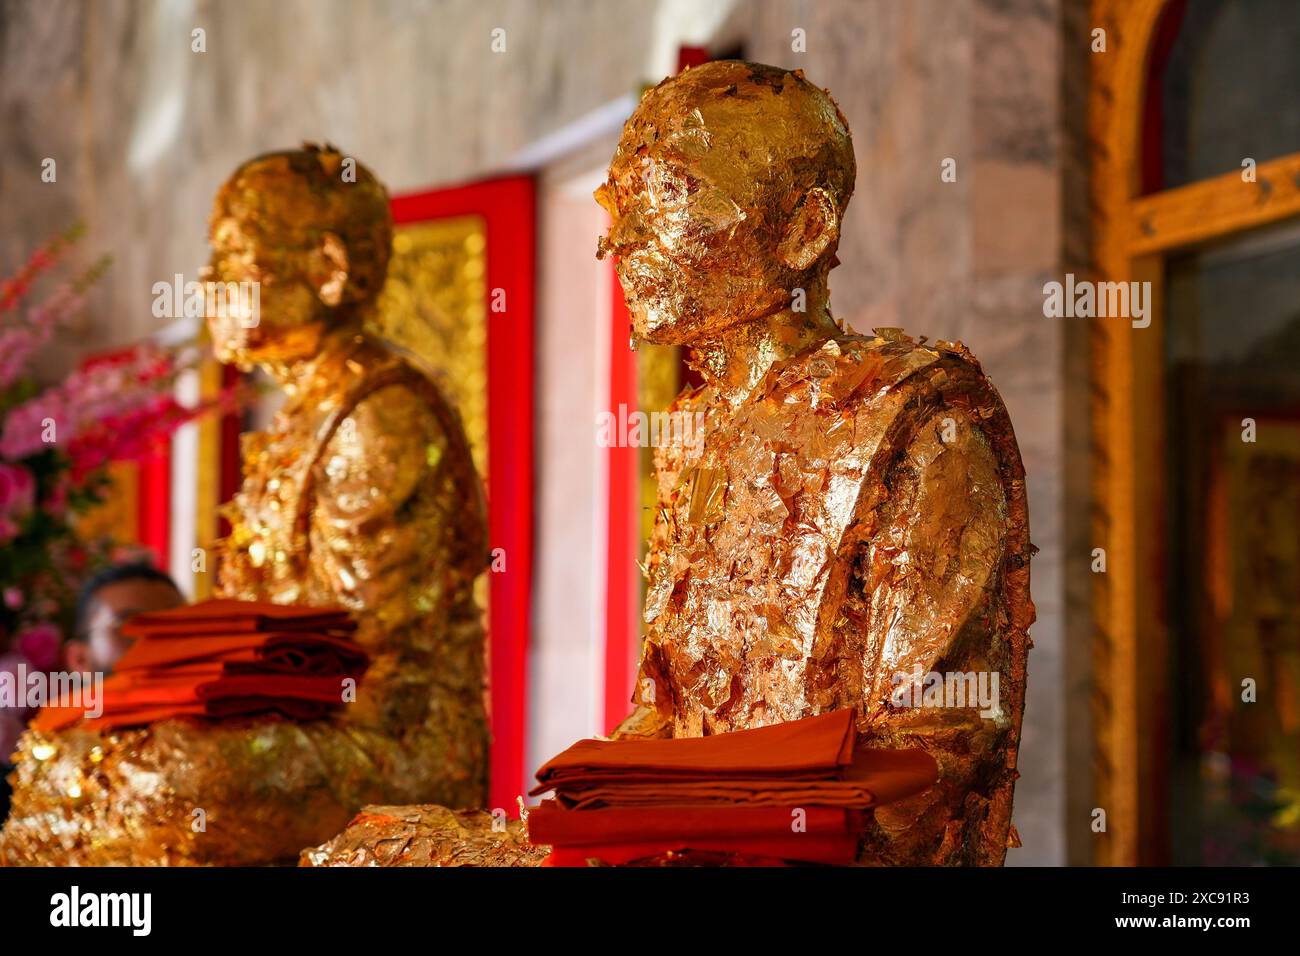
point(106, 601)
point(313, 228)
point(726, 193)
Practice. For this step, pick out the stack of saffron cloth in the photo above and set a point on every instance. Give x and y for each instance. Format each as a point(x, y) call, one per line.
point(787, 793)
point(219, 659)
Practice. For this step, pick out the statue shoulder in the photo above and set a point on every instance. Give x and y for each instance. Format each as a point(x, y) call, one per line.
point(379, 452)
point(854, 371)
point(847, 372)
point(400, 372)
point(389, 396)
point(395, 429)
point(391, 407)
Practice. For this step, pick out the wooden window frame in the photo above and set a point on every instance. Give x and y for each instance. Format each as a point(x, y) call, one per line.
point(1133, 234)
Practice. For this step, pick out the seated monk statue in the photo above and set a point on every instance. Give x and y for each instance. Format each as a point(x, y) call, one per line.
point(362, 494)
point(854, 519)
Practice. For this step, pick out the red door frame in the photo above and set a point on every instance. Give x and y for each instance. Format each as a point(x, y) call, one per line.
point(507, 209)
point(153, 490)
point(622, 595)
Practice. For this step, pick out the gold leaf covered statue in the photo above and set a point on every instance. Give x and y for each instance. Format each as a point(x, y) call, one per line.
point(855, 519)
point(361, 494)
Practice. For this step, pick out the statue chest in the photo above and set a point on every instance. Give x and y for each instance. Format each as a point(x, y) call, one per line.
point(266, 553)
point(749, 562)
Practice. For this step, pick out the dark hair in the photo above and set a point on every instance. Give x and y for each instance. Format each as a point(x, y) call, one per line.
point(114, 574)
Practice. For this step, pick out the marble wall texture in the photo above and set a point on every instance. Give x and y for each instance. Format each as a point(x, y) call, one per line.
point(143, 130)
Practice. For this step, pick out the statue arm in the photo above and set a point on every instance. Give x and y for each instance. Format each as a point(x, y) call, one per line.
point(641, 723)
point(933, 568)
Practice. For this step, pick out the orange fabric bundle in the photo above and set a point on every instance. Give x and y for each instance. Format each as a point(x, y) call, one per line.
point(218, 616)
point(620, 835)
point(225, 659)
point(295, 652)
point(872, 778)
point(793, 791)
point(815, 747)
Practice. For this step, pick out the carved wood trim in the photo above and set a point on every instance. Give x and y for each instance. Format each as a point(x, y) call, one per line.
point(1115, 114)
point(1215, 207)
point(1131, 234)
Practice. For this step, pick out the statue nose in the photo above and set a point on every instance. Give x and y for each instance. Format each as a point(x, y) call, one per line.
point(625, 234)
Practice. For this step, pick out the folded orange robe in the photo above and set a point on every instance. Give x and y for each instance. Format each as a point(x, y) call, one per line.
point(825, 834)
point(874, 777)
point(734, 793)
point(292, 651)
point(215, 659)
point(236, 617)
point(832, 851)
point(812, 748)
point(135, 698)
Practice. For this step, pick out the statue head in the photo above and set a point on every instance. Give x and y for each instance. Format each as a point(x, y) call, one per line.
point(726, 193)
point(313, 229)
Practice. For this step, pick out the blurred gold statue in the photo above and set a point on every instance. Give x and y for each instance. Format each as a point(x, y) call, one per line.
point(362, 494)
point(855, 520)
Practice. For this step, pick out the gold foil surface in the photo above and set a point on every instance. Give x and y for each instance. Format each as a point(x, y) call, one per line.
point(362, 493)
point(427, 836)
point(859, 515)
point(855, 508)
point(434, 303)
point(854, 514)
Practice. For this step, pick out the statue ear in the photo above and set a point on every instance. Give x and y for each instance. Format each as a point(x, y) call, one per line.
point(329, 269)
point(814, 228)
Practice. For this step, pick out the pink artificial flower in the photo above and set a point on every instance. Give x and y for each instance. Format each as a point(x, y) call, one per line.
point(20, 342)
point(40, 645)
point(15, 287)
point(118, 400)
point(56, 502)
point(24, 426)
point(17, 490)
